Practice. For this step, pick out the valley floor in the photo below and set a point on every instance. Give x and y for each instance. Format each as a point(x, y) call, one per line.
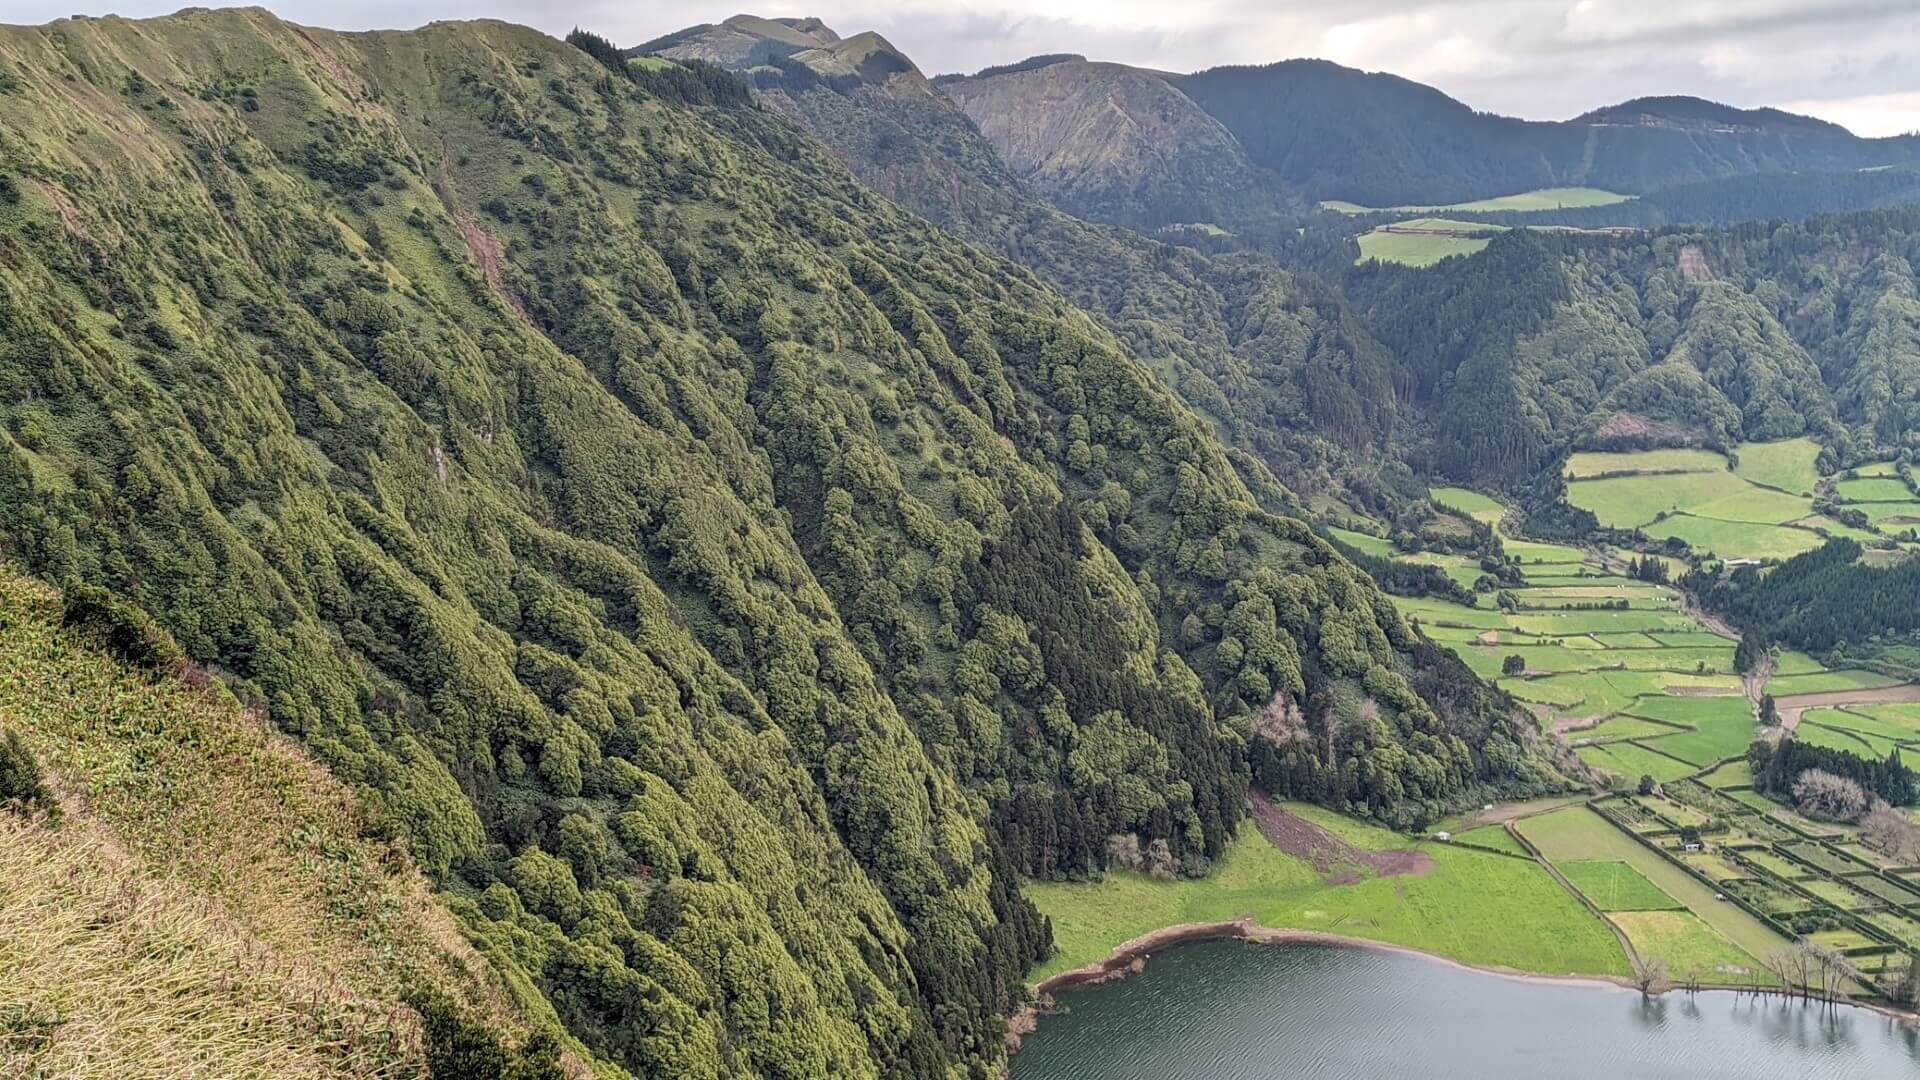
point(1638, 685)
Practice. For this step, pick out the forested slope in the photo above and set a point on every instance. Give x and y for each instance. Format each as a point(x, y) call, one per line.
point(727, 584)
point(1710, 337)
point(1279, 364)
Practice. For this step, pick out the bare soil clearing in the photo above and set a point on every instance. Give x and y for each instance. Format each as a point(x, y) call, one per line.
point(1793, 706)
point(1328, 853)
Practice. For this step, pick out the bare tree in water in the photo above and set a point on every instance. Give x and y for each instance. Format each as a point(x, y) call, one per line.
point(1651, 976)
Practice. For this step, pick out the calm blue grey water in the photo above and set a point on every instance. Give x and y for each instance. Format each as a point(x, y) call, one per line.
point(1234, 1011)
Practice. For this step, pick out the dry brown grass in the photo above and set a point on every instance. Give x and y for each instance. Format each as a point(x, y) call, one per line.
point(210, 906)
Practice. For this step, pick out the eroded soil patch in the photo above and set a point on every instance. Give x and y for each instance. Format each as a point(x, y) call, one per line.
point(1341, 861)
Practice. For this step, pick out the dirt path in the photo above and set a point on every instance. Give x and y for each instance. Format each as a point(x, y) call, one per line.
point(1756, 679)
point(1793, 706)
point(1328, 853)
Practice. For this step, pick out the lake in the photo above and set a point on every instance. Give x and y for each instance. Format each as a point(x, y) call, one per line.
point(1229, 1010)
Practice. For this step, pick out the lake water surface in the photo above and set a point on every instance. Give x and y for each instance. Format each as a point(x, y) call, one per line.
point(1229, 1010)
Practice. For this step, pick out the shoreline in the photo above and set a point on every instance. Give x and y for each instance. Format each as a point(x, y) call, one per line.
point(1130, 957)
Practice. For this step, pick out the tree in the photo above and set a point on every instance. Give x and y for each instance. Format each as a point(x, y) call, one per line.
point(1514, 664)
point(23, 789)
point(1891, 832)
point(1650, 975)
point(1647, 784)
point(1769, 711)
point(1821, 794)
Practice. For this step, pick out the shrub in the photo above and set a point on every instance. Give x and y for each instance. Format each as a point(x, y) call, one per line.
point(23, 789)
point(460, 1047)
point(122, 629)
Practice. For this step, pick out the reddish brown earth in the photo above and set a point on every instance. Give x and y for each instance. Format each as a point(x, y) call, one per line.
point(1793, 706)
point(1328, 853)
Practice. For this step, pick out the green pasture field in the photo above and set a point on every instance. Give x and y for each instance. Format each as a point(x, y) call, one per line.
point(1579, 833)
point(1372, 545)
point(1683, 659)
point(1820, 682)
point(1787, 464)
point(1616, 728)
point(1819, 522)
point(1565, 623)
point(1531, 552)
point(1840, 739)
point(1424, 249)
point(1615, 691)
point(1889, 489)
point(1878, 468)
point(1471, 503)
point(1883, 889)
point(1686, 944)
point(1625, 502)
point(1544, 692)
point(1635, 639)
point(1735, 773)
point(1692, 638)
point(1756, 505)
point(1735, 539)
point(1723, 727)
point(1613, 885)
point(1432, 610)
point(1890, 516)
point(1472, 906)
point(1631, 761)
point(1904, 715)
point(1794, 662)
point(1669, 461)
point(1492, 837)
point(1809, 852)
point(1862, 724)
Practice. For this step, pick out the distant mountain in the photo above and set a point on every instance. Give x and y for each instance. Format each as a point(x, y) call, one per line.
point(1311, 129)
point(1115, 143)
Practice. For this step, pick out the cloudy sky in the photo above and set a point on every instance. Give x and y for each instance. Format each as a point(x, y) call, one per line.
point(1856, 62)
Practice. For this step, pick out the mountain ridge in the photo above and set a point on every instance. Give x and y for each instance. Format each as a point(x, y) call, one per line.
point(728, 584)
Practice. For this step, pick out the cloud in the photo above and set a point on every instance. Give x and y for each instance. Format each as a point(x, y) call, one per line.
point(1874, 114)
point(1853, 61)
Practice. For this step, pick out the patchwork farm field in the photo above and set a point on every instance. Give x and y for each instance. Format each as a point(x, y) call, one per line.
point(1703, 876)
point(1757, 505)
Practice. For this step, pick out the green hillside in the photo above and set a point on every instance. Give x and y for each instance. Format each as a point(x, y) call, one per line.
point(725, 585)
point(180, 884)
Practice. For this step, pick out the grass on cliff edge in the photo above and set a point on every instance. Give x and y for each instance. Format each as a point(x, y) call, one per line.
point(209, 899)
point(1475, 907)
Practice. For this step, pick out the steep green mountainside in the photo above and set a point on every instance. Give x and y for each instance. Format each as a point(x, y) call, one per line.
point(1282, 367)
point(1754, 333)
point(727, 583)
